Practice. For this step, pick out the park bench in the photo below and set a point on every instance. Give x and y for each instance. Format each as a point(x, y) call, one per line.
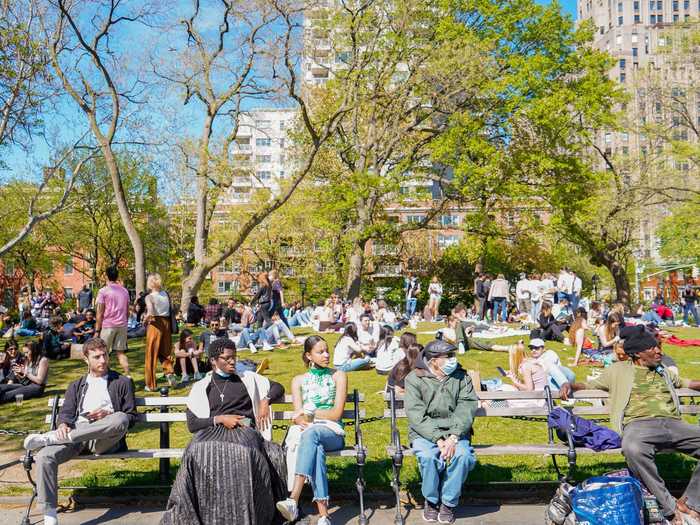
point(396, 450)
point(164, 410)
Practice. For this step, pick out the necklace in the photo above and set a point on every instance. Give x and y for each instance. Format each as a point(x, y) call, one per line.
point(221, 391)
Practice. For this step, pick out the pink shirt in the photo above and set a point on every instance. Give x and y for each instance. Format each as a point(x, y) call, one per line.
point(115, 298)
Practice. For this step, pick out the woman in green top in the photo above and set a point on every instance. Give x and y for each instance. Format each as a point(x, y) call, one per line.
point(319, 399)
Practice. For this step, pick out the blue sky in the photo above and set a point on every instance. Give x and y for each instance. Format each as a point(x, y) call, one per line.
point(23, 164)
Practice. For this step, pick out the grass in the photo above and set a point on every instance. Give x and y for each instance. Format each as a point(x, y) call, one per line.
point(287, 363)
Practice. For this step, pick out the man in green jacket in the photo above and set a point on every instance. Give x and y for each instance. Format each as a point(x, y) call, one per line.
point(644, 408)
point(440, 404)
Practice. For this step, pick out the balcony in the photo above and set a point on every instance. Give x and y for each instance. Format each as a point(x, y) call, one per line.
point(385, 250)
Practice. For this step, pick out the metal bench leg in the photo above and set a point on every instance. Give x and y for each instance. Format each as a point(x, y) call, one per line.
point(27, 462)
point(360, 483)
point(396, 463)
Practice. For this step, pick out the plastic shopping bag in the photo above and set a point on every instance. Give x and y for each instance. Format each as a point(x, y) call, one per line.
point(606, 500)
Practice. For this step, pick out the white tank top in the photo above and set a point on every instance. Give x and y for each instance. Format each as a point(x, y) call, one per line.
point(160, 306)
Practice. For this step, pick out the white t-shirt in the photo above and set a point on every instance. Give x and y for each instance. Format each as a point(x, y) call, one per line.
point(344, 349)
point(365, 337)
point(522, 289)
point(96, 396)
point(535, 286)
point(548, 359)
point(388, 356)
point(577, 285)
point(545, 286)
point(388, 316)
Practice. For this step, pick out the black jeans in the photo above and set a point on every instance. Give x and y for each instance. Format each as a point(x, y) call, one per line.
point(9, 391)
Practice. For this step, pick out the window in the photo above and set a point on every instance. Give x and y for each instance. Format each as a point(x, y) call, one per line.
point(449, 220)
point(623, 63)
point(660, 18)
point(686, 4)
point(675, 5)
point(229, 267)
point(263, 158)
point(281, 143)
point(262, 142)
point(281, 174)
point(68, 268)
point(263, 124)
point(608, 138)
point(652, 4)
point(623, 77)
point(636, 5)
point(283, 125)
point(637, 19)
point(414, 219)
point(263, 176)
point(68, 293)
point(619, 7)
point(226, 287)
point(445, 241)
point(659, 5)
point(625, 136)
point(635, 38)
point(618, 40)
point(652, 19)
point(675, 18)
point(620, 20)
point(635, 52)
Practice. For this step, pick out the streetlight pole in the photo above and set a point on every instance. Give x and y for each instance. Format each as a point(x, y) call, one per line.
point(302, 287)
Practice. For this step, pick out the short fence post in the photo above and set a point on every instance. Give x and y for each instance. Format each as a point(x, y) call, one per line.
point(164, 470)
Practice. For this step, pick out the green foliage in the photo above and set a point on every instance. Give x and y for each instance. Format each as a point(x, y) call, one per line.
point(680, 232)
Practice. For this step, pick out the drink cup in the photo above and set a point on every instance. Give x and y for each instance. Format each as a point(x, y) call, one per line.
point(309, 412)
point(19, 399)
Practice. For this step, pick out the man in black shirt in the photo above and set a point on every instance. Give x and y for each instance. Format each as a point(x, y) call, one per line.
point(230, 397)
point(689, 299)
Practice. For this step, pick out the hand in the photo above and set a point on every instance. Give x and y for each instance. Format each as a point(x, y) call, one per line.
point(19, 370)
point(62, 431)
point(98, 414)
point(448, 449)
point(564, 391)
point(301, 421)
point(262, 419)
point(510, 375)
point(229, 421)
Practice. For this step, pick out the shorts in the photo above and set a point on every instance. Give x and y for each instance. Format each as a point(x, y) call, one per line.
point(115, 338)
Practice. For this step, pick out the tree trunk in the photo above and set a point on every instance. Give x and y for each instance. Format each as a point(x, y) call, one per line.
point(622, 283)
point(190, 286)
point(127, 222)
point(355, 266)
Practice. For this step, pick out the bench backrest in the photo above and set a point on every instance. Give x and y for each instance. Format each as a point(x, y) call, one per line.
point(594, 396)
point(180, 403)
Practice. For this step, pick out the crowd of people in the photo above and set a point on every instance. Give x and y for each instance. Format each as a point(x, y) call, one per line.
point(228, 408)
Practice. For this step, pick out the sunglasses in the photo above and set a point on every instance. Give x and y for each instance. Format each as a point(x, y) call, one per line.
point(231, 359)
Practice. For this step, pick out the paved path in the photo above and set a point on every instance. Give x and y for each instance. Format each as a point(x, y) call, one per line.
point(347, 514)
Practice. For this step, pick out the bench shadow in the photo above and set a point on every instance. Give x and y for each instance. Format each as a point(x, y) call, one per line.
point(115, 513)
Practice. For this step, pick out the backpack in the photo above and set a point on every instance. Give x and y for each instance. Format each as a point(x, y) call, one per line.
point(585, 433)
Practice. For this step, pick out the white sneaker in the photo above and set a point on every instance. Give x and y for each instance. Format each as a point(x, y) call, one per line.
point(50, 520)
point(253, 349)
point(267, 347)
point(36, 441)
point(324, 520)
point(185, 378)
point(288, 508)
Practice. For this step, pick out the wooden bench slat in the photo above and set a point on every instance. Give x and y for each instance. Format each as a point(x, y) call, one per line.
point(154, 401)
point(539, 394)
point(161, 453)
point(286, 415)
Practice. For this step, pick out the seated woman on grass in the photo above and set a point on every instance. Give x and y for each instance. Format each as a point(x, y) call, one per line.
point(319, 400)
point(29, 374)
point(230, 460)
point(577, 334)
point(186, 356)
point(347, 354)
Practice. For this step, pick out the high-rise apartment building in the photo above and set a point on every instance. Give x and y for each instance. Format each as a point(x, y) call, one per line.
point(663, 82)
point(260, 153)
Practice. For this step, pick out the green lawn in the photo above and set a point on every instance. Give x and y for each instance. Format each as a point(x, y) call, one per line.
point(286, 364)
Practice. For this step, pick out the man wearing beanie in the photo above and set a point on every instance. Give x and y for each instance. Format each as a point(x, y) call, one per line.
point(440, 404)
point(644, 408)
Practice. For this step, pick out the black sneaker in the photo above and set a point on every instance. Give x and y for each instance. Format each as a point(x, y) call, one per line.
point(446, 514)
point(430, 512)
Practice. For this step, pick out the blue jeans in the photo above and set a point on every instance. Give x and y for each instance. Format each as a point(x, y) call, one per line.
point(252, 336)
point(354, 364)
point(690, 308)
point(535, 312)
point(558, 375)
point(502, 303)
point(574, 299)
point(651, 317)
point(300, 318)
point(311, 457)
point(442, 482)
point(411, 306)
point(25, 332)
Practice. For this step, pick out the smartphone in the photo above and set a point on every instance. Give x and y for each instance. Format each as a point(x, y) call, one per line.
point(501, 371)
point(84, 414)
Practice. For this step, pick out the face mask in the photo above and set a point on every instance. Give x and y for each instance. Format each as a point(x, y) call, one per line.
point(222, 374)
point(449, 366)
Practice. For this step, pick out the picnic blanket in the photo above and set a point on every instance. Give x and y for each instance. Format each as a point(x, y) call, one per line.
point(673, 340)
